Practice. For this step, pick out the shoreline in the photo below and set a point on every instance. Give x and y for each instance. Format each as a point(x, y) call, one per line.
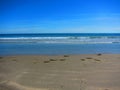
point(59, 54)
point(60, 72)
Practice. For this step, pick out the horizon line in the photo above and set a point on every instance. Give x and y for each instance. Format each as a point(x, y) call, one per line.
point(63, 33)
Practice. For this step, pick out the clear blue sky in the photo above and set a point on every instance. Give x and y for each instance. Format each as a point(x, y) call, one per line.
point(59, 16)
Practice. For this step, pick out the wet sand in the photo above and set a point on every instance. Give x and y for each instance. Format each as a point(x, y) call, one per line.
point(62, 72)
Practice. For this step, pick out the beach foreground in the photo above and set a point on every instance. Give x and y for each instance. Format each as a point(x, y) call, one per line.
point(62, 72)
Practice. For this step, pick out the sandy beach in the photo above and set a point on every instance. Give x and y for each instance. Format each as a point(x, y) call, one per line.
point(62, 72)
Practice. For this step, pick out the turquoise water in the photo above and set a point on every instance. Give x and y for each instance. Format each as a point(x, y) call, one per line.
point(56, 44)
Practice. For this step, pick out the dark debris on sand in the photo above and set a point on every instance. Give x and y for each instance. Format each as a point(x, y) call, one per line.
point(46, 61)
point(82, 59)
point(97, 60)
point(66, 55)
point(1, 57)
point(62, 59)
point(53, 59)
point(99, 54)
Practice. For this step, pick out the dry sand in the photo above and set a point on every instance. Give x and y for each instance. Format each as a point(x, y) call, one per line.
point(63, 72)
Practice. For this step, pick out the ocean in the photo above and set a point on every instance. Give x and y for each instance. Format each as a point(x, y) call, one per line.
point(59, 43)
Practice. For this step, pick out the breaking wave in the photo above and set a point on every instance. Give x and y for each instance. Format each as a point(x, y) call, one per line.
point(74, 40)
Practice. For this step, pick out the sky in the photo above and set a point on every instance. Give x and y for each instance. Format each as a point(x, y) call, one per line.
point(59, 16)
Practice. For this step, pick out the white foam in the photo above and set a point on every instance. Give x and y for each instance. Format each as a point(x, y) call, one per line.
point(84, 39)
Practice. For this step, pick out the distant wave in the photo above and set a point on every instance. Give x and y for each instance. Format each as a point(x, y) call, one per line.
point(4, 38)
point(71, 39)
point(65, 37)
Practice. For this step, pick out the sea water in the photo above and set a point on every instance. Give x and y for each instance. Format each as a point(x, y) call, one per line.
point(59, 43)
